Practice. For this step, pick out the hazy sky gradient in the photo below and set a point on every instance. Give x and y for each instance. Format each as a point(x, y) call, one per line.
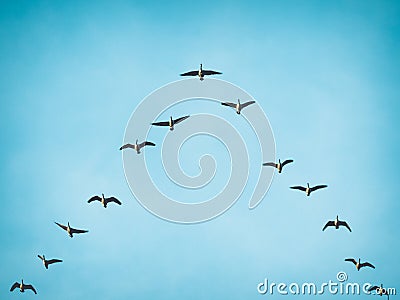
point(327, 74)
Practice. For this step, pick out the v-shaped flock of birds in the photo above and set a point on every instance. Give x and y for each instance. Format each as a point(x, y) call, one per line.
point(171, 123)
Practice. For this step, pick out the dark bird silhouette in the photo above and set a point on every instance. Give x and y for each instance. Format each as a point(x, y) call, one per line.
point(279, 165)
point(358, 264)
point(104, 201)
point(71, 230)
point(171, 123)
point(307, 189)
point(137, 146)
point(22, 287)
point(201, 73)
point(336, 223)
point(379, 290)
point(46, 262)
point(238, 106)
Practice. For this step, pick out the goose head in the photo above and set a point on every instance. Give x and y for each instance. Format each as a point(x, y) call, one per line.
point(44, 257)
point(201, 67)
point(239, 101)
point(337, 218)
point(136, 142)
point(279, 161)
point(308, 185)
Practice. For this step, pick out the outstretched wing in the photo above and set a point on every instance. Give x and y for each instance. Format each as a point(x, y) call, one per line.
point(270, 164)
point(367, 264)
point(297, 187)
point(53, 261)
point(113, 199)
point(30, 287)
point(180, 119)
point(160, 123)
point(127, 146)
point(210, 72)
point(288, 161)
point(329, 223)
point(343, 223)
point(190, 73)
point(62, 226)
point(373, 288)
point(230, 104)
point(94, 198)
point(248, 103)
point(14, 286)
point(74, 230)
point(317, 187)
point(351, 260)
point(145, 143)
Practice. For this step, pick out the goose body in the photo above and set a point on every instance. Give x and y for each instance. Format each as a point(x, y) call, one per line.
point(379, 290)
point(200, 73)
point(46, 262)
point(171, 122)
point(238, 106)
point(104, 201)
point(358, 263)
point(278, 165)
point(22, 287)
point(71, 230)
point(336, 223)
point(137, 146)
point(308, 189)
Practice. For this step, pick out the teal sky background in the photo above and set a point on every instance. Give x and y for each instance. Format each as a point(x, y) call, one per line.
point(327, 74)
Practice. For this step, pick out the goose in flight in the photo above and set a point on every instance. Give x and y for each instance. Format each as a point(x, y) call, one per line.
point(137, 146)
point(238, 106)
point(171, 123)
point(46, 262)
point(380, 290)
point(104, 201)
point(201, 73)
point(22, 287)
point(279, 165)
point(336, 223)
point(307, 189)
point(358, 264)
point(71, 230)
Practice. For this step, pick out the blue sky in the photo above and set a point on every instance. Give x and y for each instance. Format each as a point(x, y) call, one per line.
point(325, 73)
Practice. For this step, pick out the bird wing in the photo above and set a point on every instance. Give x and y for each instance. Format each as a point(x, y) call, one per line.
point(288, 161)
point(14, 286)
point(52, 261)
point(74, 230)
point(367, 264)
point(145, 143)
point(113, 199)
point(127, 146)
point(297, 187)
point(230, 104)
point(180, 119)
point(248, 103)
point(94, 198)
point(160, 124)
point(317, 187)
point(62, 226)
point(329, 223)
point(343, 223)
point(30, 287)
point(271, 164)
point(191, 73)
point(373, 288)
point(210, 72)
point(40, 257)
point(351, 260)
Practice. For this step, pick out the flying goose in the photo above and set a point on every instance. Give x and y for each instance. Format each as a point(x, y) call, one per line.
point(22, 287)
point(307, 189)
point(238, 106)
point(71, 230)
point(201, 73)
point(358, 264)
point(380, 290)
point(137, 146)
point(46, 262)
point(279, 165)
point(104, 201)
point(336, 223)
point(171, 122)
